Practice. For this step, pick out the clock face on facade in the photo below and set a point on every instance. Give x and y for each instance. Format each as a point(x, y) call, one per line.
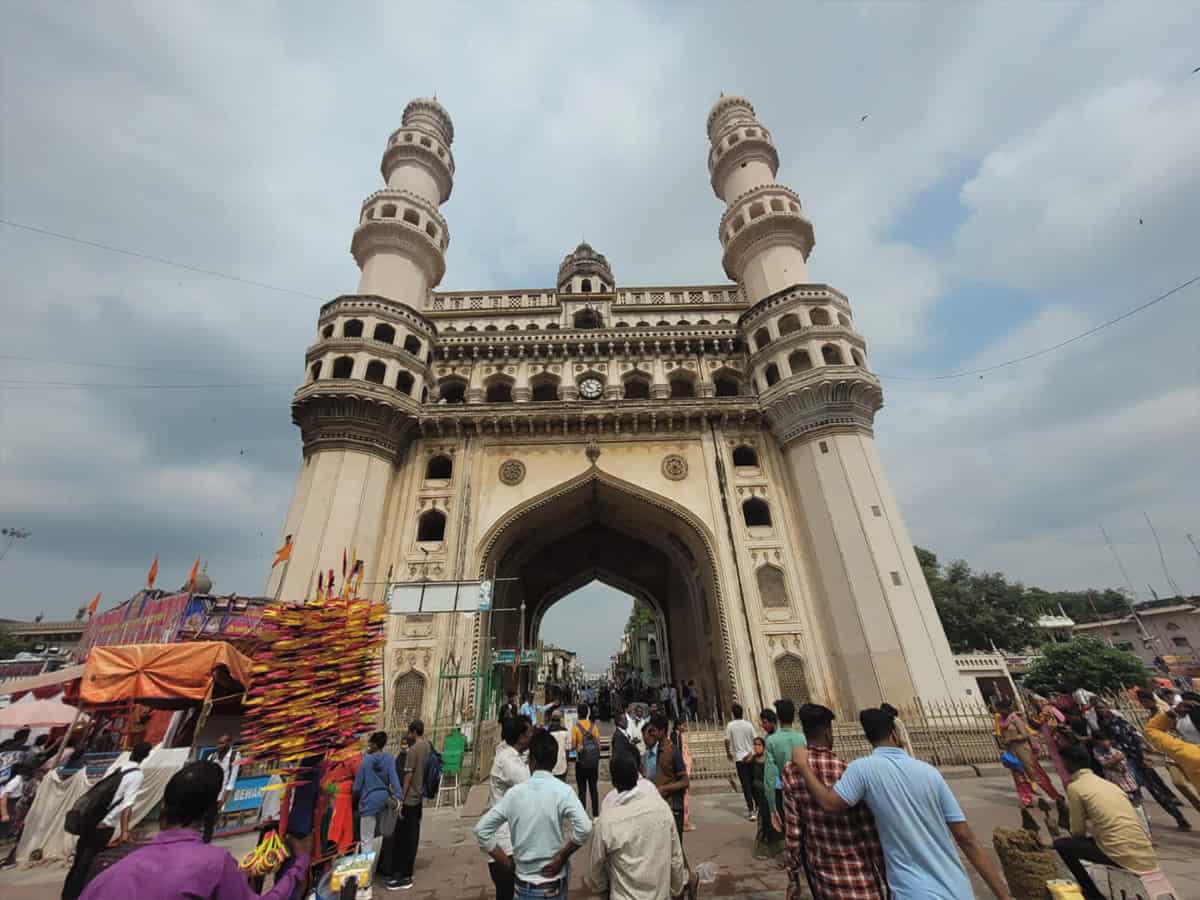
point(591, 388)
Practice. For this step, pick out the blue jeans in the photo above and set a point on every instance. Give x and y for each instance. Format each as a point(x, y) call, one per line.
point(555, 890)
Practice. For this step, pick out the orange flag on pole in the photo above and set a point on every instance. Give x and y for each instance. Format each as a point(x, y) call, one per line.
point(284, 553)
point(91, 610)
point(192, 575)
point(152, 574)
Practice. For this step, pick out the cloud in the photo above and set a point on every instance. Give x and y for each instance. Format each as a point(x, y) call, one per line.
point(243, 139)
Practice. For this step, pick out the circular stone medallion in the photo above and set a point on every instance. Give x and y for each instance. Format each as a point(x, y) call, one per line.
point(675, 467)
point(512, 471)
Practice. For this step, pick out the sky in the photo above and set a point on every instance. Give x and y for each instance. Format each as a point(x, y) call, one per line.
point(1024, 173)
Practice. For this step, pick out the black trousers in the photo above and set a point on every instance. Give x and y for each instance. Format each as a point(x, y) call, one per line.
point(586, 779)
point(86, 849)
point(504, 879)
point(1073, 851)
point(746, 778)
point(408, 836)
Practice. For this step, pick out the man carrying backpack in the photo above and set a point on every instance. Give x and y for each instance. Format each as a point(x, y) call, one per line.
point(408, 829)
point(585, 739)
point(95, 835)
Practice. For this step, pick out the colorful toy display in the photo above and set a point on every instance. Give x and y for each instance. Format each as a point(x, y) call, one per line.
point(317, 674)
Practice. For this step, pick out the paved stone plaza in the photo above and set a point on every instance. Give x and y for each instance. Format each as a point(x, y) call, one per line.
point(450, 867)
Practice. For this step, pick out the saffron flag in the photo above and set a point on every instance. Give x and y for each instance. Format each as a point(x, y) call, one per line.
point(91, 610)
point(152, 574)
point(191, 582)
point(284, 553)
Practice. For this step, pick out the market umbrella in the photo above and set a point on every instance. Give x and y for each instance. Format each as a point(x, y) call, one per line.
point(37, 714)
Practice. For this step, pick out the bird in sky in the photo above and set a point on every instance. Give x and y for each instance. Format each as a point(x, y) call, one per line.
point(864, 118)
point(241, 453)
point(1141, 222)
point(1195, 70)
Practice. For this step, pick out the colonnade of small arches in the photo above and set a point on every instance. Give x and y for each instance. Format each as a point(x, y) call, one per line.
point(542, 387)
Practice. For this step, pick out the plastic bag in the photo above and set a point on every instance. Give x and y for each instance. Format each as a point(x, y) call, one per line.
point(707, 872)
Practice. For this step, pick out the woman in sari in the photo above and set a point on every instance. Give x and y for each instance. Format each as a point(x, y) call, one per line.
point(1013, 733)
point(681, 741)
point(1048, 720)
point(768, 843)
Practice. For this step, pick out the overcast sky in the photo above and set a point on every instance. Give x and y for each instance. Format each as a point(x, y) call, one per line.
point(1023, 173)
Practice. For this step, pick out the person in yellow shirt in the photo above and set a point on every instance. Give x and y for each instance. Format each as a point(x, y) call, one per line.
point(1185, 755)
point(585, 740)
point(1117, 837)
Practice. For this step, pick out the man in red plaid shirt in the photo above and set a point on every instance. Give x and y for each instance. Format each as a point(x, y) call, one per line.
point(839, 853)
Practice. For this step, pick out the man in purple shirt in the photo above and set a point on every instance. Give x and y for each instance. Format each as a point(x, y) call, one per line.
point(177, 864)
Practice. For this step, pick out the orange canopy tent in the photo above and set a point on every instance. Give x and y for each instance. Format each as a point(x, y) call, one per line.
point(164, 675)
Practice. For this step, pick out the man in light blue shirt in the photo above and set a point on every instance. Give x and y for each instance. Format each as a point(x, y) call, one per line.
point(535, 812)
point(915, 812)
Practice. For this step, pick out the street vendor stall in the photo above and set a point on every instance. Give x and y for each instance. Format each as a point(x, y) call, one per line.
point(115, 679)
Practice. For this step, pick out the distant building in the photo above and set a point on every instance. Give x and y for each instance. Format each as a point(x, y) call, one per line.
point(1165, 634)
point(641, 657)
point(44, 645)
point(558, 666)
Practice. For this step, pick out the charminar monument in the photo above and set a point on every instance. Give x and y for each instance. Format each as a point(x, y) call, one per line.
point(707, 448)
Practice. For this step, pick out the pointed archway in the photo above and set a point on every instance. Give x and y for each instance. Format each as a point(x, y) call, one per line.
point(597, 527)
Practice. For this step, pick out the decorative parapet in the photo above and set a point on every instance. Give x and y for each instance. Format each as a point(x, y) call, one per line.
point(373, 304)
point(728, 295)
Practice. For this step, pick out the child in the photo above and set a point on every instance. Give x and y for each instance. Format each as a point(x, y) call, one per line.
point(1112, 761)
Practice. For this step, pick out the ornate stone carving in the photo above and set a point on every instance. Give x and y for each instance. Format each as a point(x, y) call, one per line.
point(822, 402)
point(512, 471)
point(674, 467)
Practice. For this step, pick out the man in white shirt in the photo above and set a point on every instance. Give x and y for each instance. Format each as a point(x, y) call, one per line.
point(230, 762)
point(739, 747)
point(119, 815)
point(636, 853)
point(508, 770)
point(537, 813)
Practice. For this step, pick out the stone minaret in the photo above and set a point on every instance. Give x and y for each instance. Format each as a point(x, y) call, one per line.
point(809, 365)
point(368, 371)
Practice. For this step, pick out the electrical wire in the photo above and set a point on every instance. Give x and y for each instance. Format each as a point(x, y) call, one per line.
point(1035, 354)
point(946, 376)
point(158, 259)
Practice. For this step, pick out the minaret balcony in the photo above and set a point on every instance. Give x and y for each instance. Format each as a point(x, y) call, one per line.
point(403, 237)
point(825, 400)
point(417, 146)
point(759, 227)
point(738, 146)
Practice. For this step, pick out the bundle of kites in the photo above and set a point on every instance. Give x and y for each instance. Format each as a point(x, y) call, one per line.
point(317, 672)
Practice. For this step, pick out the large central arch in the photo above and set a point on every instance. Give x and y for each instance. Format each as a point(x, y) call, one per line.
point(597, 527)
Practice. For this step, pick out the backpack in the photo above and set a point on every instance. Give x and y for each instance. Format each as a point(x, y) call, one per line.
point(589, 752)
point(90, 809)
point(433, 774)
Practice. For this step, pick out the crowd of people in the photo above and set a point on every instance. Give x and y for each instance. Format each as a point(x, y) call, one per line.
point(536, 821)
point(883, 825)
point(1104, 763)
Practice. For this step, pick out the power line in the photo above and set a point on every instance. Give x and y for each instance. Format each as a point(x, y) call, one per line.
point(1028, 356)
point(18, 385)
point(106, 365)
point(158, 259)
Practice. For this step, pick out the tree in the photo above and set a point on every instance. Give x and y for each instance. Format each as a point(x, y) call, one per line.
point(1084, 662)
point(9, 645)
point(641, 614)
point(979, 610)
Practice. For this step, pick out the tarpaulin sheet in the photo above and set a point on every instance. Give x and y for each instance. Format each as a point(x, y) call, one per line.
point(44, 685)
point(150, 672)
point(44, 825)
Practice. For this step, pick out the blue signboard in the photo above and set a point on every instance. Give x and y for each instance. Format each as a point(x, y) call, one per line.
point(247, 794)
